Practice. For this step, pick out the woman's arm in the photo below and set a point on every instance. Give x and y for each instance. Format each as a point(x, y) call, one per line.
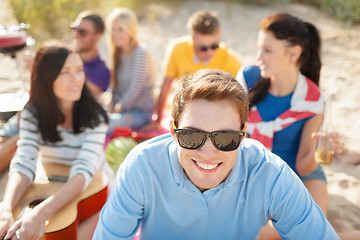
point(22, 168)
point(305, 161)
point(16, 186)
point(7, 150)
point(89, 156)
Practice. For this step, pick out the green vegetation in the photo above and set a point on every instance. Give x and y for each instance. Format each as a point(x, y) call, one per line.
point(343, 10)
point(51, 18)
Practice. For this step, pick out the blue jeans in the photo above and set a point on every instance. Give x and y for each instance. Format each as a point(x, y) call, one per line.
point(317, 174)
point(133, 119)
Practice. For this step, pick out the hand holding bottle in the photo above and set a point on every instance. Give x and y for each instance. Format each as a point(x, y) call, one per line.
point(326, 140)
point(323, 150)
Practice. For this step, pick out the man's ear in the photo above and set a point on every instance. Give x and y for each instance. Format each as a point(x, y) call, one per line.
point(98, 36)
point(172, 126)
point(244, 128)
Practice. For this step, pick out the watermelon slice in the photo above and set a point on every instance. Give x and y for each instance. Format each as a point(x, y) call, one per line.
point(117, 150)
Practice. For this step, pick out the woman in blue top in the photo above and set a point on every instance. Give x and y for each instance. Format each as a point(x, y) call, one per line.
point(286, 102)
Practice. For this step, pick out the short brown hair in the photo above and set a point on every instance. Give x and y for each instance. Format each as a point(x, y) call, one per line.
point(203, 22)
point(92, 16)
point(210, 85)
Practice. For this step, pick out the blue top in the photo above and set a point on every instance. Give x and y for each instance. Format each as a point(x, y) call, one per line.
point(97, 73)
point(286, 141)
point(152, 190)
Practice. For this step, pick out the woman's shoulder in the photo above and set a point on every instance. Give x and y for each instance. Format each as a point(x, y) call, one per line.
point(29, 111)
point(252, 75)
point(248, 76)
point(141, 48)
point(142, 53)
point(29, 118)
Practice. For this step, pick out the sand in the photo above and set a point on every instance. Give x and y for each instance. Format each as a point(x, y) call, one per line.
point(160, 23)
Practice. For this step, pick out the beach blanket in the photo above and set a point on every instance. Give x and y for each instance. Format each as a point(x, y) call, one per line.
point(306, 101)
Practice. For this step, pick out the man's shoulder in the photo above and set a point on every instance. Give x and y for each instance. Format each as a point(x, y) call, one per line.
point(155, 146)
point(228, 52)
point(96, 63)
point(263, 166)
point(256, 153)
point(150, 158)
point(158, 141)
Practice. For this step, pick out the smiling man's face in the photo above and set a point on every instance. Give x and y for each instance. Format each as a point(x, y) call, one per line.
point(207, 166)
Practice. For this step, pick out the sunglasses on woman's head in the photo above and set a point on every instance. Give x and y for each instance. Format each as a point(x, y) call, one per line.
point(224, 140)
point(203, 48)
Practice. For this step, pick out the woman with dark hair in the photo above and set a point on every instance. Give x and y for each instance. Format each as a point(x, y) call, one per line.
point(286, 103)
point(61, 123)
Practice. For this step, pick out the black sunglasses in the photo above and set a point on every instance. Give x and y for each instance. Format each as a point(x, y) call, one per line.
point(225, 140)
point(81, 32)
point(205, 48)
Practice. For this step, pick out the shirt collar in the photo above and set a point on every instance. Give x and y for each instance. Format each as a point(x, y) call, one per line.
point(94, 60)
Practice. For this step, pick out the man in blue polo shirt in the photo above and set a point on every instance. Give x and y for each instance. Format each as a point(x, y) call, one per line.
point(205, 180)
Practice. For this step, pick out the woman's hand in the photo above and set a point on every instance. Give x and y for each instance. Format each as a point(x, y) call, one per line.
point(335, 141)
point(6, 219)
point(105, 99)
point(118, 108)
point(28, 227)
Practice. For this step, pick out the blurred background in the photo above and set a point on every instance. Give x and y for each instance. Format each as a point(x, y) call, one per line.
point(50, 18)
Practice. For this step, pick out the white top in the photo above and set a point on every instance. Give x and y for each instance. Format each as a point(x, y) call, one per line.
point(135, 81)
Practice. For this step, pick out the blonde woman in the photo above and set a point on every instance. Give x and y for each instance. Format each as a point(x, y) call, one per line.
point(133, 72)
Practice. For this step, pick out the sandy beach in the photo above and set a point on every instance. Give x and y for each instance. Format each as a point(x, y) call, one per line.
point(160, 23)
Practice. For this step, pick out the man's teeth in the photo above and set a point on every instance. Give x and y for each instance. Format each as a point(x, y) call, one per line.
point(207, 166)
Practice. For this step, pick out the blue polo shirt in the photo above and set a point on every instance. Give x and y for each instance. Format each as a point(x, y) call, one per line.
point(152, 190)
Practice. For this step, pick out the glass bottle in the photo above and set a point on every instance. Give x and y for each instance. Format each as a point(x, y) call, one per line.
point(323, 151)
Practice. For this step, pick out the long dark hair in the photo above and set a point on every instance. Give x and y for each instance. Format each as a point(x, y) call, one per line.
point(296, 32)
point(87, 112)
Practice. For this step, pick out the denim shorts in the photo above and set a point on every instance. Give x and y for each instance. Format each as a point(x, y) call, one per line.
point(134, 119)
point(317, 174)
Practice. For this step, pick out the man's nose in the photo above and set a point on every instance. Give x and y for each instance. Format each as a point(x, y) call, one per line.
point(208, 148)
